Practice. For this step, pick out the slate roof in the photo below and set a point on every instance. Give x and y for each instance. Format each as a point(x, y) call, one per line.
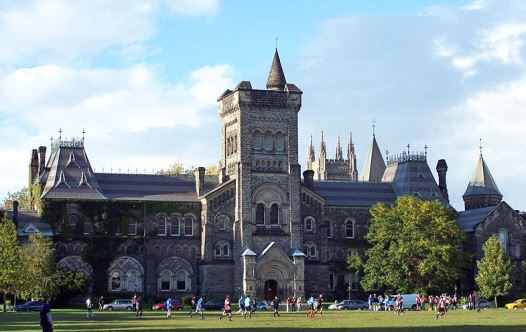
point(467, 220)
point(276, 77)
point(30, 220)
point(363, 194)
point(482, 182)
point(374, 164)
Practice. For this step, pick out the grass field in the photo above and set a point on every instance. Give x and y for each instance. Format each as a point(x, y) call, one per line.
point(461, 320)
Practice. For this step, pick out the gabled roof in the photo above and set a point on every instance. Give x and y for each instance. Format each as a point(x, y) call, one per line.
point(374, 165)
point(467, 220)
point(29, 222)
point(482, 182)
point(276, 77)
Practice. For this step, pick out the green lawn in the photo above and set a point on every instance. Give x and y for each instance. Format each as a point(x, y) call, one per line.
point(460, 320)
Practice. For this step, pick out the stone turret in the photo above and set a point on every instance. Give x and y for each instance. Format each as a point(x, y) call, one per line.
point(482, 190)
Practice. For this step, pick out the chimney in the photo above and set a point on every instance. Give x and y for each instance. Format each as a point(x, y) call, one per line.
point(442, 185)
point(15, 213)
point(199, 174)
point(308, 178)
point(33, 166)
point(41, 159)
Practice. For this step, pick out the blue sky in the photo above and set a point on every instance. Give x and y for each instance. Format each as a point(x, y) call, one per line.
point(142, 78)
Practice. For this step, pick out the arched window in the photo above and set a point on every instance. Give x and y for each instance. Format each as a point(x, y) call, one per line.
point(188, 226)
point(274, 215)
point(180, 282)
point(260, 214)
point(87, 227)
point(175, 227)
point(503, 238)
point(164, 281)
point(311, 250)
point(161, 226)
point(349, 229)
point(280, 142)
point(132, 226)
point(258, 141)
point(222, 249)
point(268, 143)
point(73, 220)
point(116, 281)
point(309, 224)
point(132, 279)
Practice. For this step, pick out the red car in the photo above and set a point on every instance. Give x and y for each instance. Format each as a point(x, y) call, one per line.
point(162, 306)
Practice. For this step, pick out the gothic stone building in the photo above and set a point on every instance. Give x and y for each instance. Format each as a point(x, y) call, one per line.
point(259, 227)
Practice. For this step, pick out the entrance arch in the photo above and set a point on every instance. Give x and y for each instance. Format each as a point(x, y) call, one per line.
point(271, 289)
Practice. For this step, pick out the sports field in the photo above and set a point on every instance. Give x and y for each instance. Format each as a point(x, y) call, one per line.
point(461, 320)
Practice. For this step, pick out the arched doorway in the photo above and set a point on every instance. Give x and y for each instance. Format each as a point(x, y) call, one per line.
point(271, 289)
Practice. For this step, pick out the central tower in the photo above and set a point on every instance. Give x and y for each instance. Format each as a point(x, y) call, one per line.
point(259, 150)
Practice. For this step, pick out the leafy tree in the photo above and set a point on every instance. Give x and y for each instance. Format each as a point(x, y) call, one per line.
point(177, 168)
point(37, 258)
point(69, 284)
point(493, 270)
point(415, 246)
point(212, 170)
point(9, 262)
point(22, 196)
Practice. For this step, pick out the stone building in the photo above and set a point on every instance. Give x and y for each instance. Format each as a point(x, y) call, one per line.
point(259, 227)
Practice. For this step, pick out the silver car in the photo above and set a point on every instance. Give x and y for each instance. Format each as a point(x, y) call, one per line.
point(120, 304)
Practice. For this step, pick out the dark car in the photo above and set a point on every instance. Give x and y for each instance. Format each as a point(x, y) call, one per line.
point(162, 306)
point(349, 305)
point(30, 306)
point(214, 304)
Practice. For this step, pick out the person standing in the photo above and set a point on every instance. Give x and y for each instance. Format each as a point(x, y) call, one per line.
point(298, 304)
point(198, 308)
point(101, 303)
point(227, 310)
point(275, 304)
point(169, 307)
point(45, 316)
point(319, 304)
point(241, 303)
point(89, 307)
point(192, 304)
point(310, 304)
point(476, 302)
point(138, 310)
point(432, 302)
point(248, 307)
point(370, 302)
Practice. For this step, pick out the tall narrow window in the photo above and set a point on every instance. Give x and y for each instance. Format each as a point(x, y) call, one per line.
point(258, 141)
point(280, 142)
point(188, 226)
point(161, 226)
point(331, 281)
point(87, 227)
point(181, 280)
point(309, 224)
point(349, 229)
point(73, 220)
point(164, 281)
point(132, 226)
point(268, 143)
point(175, 228)
point(330, 229)
point(503, 238)
point(260, 214)
point(116, 280)
point(274, 218)
point(131, 278)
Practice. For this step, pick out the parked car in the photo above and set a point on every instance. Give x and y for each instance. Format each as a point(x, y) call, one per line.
point(214, 304)
point(483, 304)
point(408, 299)
point(30, 306)
point(349, 305)
point(518, 304)
point(120, 304)
point(262, 305)
point(162, 306)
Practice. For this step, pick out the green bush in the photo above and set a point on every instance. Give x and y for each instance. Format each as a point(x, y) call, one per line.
point(187, 300)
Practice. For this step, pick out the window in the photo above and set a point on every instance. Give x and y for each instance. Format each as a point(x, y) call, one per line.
point(73, 220)
point(175, 229)
point(258, 141)
point(87, 227)
point(349, 229)
point(188, 226)
point(181, 281)
point(116, 281)
point(517, 251)
point(222, 249)
point(217, 251)
point(330, 229)
point(132, 277)
point(260, 214)
point(267, 141)
point(503, 238)
point(331, 281)
point(309, 224)
point(274, 219)
point(164, 281)
point(311, 251)
point(161, 226)
point(221, 223)
point(352, 252)
point(280, 142)
point(351, 280)
point(132, 226)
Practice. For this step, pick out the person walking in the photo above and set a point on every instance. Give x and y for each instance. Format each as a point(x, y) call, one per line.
point(192, 304)
point(45, 316)
point(198, 308)
point(319, 304)
point(227, 310)
point(275, 304)
point(241, 305)
point(310, 304)
point(89, 307)
point(101, 303)
point(169, 307)
point(441, 306)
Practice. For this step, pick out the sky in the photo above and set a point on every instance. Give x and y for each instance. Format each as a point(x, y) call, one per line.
point(142, 79)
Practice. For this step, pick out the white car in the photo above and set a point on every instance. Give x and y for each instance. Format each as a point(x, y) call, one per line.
point(120, 304)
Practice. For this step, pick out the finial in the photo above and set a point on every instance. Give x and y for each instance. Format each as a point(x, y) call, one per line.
point(310, 140)
point(83, 133)
point(425, 149)
point(408, 147)
point(350, 137)
point(276, 42)
point(322, 136)
point(387, 155)
point(374, 127)
point(51, 140)
point(60, 133)
point(480, 146)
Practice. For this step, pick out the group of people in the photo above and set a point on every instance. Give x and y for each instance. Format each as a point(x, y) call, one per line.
point(294, 304)
point(315, 306)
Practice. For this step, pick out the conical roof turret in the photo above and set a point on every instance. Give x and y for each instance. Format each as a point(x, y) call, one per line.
point(276, 77)
point(482, 182)
point(374, 164)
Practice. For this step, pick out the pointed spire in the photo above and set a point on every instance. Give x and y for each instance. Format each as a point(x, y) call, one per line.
point(311, 157)
point(276, 77)
point(482, 182)
point(374, 164)
point(351, 156)
point(321, 171)
point(339, 150)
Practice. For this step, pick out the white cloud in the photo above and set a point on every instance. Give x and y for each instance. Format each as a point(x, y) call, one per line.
point(192, 7)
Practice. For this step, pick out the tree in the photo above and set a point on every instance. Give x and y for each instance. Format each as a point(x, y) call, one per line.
point(38, 261)
point(22, 196)
point(415, 246)
point(212, 170)
point(493, 270)
point(177, 168)
point(10, 265)
point(69, 284)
